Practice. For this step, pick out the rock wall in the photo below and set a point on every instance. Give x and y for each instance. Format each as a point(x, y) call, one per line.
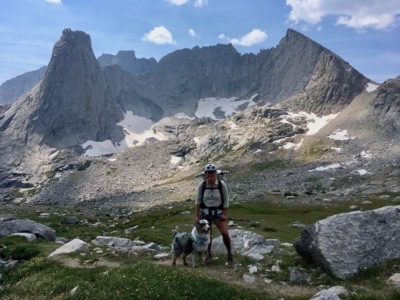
point(16, 87)
point(127, 61)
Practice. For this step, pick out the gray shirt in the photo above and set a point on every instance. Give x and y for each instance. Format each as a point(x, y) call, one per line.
point(212, 197)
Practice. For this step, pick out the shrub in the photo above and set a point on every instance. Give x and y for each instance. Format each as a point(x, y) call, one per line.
point(85, 165)
point(19, 252)
point(271, 229)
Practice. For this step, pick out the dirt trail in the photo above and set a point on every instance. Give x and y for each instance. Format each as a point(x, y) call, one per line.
point(227, 274)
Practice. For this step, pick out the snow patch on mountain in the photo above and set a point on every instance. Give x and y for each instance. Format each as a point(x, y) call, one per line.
point(314, 123)
point(233, 125)
point(175, 159)
point(182, 115)
point(221, 108)
point(340, 135)
point(370, 87)
point(137, 130)
point(292, 145)
point(330, 167)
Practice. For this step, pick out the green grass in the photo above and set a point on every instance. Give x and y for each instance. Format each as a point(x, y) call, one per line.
point(47, 279)
point(112, 172)
point(268, 165)
point(85, 165)
point(139, 277)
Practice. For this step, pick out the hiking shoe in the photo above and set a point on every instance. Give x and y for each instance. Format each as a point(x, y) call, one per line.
point(230, 257)
point(208, 257)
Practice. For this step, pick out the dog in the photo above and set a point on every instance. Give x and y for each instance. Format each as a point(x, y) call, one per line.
point(194, 243)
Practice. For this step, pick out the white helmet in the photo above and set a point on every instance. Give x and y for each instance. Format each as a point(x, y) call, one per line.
point(210, 168)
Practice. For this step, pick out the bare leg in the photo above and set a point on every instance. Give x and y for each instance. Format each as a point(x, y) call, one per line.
point(223, 229)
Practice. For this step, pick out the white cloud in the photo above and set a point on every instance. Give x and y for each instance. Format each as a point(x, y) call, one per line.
point(221, 36)
point(319, 28)
point(54, 1)
point(200, 3)
point(255, 37)
point(159, 35)
point(177, 2)
point(358, 14)
point(197, 3)
point(192, 32)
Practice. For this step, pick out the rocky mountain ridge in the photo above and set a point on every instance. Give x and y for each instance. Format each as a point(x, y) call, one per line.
point(254, 150)
point(127, 60)
point(14, 88)
point(98, 98)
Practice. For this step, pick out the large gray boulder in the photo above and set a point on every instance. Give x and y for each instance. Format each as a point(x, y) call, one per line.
point(28, 226)
point(74, 246)
point(113, 241)
point(245, 243)
point(345, 243)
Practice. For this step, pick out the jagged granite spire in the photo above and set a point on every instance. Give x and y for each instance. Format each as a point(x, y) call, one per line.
point(70, 105)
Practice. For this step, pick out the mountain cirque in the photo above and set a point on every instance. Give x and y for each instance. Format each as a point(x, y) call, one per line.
point(42, 133)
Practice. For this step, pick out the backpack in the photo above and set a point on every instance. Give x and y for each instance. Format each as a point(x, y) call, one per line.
point(186, 242)
point(202, 205)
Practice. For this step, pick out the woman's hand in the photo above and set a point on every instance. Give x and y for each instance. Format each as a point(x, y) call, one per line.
point(223, 217)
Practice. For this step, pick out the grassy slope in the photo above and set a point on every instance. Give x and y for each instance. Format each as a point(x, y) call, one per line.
point(122, 276)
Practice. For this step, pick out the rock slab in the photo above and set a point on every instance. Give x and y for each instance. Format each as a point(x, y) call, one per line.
point(345, 243)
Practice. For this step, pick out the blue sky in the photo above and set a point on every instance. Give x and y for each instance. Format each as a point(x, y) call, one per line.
point(365, 33)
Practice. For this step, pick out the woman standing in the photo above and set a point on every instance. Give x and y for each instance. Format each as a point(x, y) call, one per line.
point(212, 204)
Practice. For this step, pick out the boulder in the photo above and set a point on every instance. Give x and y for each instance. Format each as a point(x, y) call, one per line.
point(394, 279)
point(345, 243)
point(245, 243)
point(330, 294)
point(27, 226)
point(115, 241)
point(6, 218)
point(70, 220)
point(74, 246)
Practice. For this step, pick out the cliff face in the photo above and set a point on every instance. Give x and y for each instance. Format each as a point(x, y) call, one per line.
point(387, 105)
point(297, 65)
point(14, 88)
point(72, 104)
point(77, 101)
point(127, 61)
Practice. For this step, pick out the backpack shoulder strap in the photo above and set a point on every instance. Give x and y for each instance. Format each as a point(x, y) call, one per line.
point(203, 188)
point(221, 206)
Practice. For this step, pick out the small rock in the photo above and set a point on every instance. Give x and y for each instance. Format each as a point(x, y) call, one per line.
point(249, 279)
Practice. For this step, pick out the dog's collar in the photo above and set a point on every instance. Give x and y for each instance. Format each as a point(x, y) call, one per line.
point(201, 240)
